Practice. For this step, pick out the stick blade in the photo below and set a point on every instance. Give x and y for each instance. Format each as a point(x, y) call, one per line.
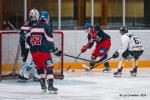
point(86, 67)
point(68, 67)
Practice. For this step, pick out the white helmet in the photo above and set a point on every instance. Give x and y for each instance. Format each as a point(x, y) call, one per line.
point(34, 14)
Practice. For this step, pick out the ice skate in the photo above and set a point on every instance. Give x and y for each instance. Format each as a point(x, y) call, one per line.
point(43, 85)
point(44, 89)
point(107, 70)
point(133, 72)
point(118, 73)
point(52, 90)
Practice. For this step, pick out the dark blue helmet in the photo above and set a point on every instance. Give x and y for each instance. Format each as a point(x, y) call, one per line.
point(86, 26)
point(44, 16)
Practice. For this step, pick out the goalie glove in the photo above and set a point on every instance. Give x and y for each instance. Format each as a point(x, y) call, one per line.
point(57, 52)
point(84, 48)
point(115, 55)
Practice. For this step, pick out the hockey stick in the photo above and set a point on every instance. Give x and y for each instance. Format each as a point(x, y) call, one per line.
point(88, 68)
point(75, 60)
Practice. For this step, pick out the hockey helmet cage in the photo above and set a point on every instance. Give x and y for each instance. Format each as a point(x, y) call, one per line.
point(86, 26)
point(123, 30)
point(34, 14)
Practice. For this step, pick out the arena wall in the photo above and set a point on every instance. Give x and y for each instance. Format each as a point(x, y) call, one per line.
point(75, 39)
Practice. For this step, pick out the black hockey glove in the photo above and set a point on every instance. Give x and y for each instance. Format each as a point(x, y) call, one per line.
point(115, 55)
point(58, 52)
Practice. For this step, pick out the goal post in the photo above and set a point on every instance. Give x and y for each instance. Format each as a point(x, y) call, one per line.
point(8, 48)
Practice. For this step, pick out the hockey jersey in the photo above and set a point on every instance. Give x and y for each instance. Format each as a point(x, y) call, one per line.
point(130, 42)
point(100, 36)
point(26, 26)
point(40, 38)
point(25, 29)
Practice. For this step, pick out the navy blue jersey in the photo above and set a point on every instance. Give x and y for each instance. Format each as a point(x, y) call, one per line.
point(100, 36)
point(40, 38)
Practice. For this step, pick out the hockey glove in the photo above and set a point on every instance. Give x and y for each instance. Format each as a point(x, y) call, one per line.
point(84, 48)
point(115, 55)
point(58, 52)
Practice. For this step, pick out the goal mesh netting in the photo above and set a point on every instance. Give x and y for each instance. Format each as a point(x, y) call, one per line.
point(8, 49)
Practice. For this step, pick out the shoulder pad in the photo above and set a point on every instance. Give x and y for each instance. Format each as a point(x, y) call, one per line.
point(25, 28)
point(130, 35)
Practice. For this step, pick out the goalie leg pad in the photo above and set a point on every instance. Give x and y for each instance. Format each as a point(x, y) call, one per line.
point(25, 71)
point(28, 68)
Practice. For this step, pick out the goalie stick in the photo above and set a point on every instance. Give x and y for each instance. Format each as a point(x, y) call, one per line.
point(88, 68)
point(75, 60)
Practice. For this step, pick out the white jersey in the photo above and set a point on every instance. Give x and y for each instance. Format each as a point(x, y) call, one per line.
point(130, 42)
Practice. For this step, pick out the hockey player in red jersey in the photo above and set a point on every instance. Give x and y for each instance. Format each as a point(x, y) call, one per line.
point(40, 39)
point(28, 67)
point(103, 43)
point(131, 49)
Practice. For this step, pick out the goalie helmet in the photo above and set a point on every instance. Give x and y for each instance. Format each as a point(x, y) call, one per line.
point(34, 14)
point(44, 16)
point(123, 30)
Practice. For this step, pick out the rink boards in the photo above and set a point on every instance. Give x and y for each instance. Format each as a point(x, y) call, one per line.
point(75, 39)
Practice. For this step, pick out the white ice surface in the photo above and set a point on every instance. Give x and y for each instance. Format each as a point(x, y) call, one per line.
point(93, 85)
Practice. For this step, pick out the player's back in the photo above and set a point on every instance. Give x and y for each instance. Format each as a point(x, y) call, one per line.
point(27, 26)
point(40, 38)
point(103, 36)
point(135, 43)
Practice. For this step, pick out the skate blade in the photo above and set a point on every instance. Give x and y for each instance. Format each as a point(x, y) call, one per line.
point(107, 71)
point(86, 67)
point(52, 92)
point(44, 91)
point(133, 74)
point(117, 75)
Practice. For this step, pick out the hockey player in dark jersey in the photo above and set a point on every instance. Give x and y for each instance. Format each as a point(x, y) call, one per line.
point(40, 39)
point(103, 43)
point(33, 18)
point(27, 69)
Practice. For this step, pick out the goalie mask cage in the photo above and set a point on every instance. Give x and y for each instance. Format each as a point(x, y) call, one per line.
point(8, 49)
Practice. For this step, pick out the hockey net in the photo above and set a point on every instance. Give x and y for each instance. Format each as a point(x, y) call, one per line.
point(8, 49)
